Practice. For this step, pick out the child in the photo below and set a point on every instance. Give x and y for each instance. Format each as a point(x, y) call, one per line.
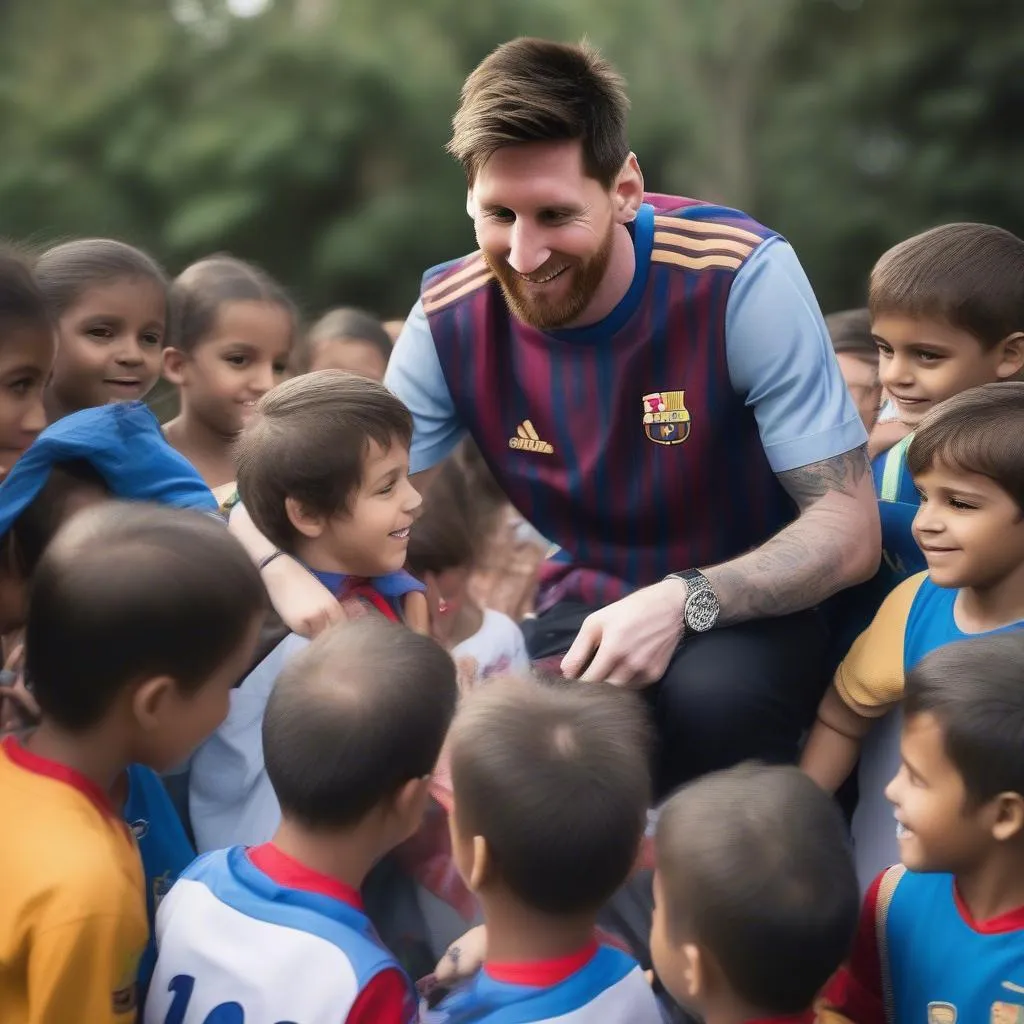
point(551, 794)
point(351, 734)
point(323, 468)
point(947, 313)
point(109, 302)
point(232, 332)
point(968, 464)
point(857, 356)
point(140, 619)
point(347, 339)
point(755, 895)
point(26, 356)
point(942, 935)
point(442, 553)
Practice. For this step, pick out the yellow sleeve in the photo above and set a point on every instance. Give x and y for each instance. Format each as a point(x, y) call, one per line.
point(86, 970)
point(870, 678)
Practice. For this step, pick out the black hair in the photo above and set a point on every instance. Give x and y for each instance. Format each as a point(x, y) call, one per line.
point(447, 533)
point(67, 271)
point(360, 712)
point(975, 689)
point(345, 323)
point(21, 302)
point(200, 290)
point(755, 866)
point(555, 778)
point(129, 592)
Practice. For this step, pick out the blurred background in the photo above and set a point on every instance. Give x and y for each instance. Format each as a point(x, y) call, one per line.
point(308, 135)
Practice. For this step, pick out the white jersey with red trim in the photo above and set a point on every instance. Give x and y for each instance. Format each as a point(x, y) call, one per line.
point(607, 988)
point(235, 946)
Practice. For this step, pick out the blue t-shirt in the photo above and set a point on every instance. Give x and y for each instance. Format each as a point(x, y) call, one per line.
point(898, 502)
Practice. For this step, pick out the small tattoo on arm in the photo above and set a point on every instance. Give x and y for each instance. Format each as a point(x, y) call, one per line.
point(454, 954)
point(809, 483)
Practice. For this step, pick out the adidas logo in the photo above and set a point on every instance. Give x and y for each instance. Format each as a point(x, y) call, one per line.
point(528, 440)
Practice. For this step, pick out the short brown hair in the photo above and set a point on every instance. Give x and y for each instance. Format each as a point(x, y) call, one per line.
point(970, 276)
point(850, 333)
point(533, 90)
point(980, 430)
point(555, 777)
point(308, 440)
point(754, 865)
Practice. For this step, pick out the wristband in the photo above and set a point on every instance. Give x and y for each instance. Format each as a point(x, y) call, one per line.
point(266, 561)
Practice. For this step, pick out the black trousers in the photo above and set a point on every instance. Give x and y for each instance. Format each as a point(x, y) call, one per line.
point(729, 695)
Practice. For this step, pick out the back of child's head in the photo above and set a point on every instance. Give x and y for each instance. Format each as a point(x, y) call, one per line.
point(127, 593)
point(354, 717)
point(201, 290)
point(67, 271)
point(970, 276)
point(308, 441)
point(974, 689)
point(978, 431)
point(555, 778)
point(754, 869)
point(346, 339)
point(446, 534)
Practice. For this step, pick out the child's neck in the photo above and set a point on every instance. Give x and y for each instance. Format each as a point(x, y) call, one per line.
point(91, 754)
point(518, 934)
point(465, 622)
point(207, 449)
point(312, 554)
point(980, 609)
point(346, 856)
point(995, 887)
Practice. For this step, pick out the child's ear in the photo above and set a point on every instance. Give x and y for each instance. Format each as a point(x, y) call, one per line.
point(149, 701)
point(1009, 820)
point(1013, 356)
point(410, 804)
point(694, 973)
point(174, 366)
point(307, 523)
point(482, 866)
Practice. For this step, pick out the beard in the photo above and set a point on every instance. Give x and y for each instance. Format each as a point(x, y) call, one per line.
point(549, 313)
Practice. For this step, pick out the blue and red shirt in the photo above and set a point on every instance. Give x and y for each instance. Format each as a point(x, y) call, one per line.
point(650, 441)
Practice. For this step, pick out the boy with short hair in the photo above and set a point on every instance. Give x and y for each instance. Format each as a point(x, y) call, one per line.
point(323, 469)
point(140, 619)
point(755, 895)
point(947, 313)
point(551, 789)
point(941, 936)
point(351, 733)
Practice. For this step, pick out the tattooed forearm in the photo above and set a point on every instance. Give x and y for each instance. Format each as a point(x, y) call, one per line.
point(833, 544)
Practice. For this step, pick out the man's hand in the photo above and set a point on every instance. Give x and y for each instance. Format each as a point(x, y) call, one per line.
point(631, 642)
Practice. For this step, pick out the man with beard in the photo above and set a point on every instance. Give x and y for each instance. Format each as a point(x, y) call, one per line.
point(650, 380)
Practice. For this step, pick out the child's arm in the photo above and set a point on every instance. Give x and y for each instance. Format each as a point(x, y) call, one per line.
point(834, 744)
point(416, 612)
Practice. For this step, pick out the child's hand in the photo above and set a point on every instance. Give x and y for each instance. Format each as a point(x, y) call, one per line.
point(18, 707)
point(303, 602)
point(464, 958)
point(466, 671)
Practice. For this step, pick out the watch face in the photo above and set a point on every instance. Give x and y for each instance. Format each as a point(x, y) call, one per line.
point(702, 611)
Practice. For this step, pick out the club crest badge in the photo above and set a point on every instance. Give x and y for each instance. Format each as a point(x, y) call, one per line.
point(942, 1013)
point(666, 418)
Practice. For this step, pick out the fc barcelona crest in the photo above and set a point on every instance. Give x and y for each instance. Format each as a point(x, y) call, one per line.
point(666, 418)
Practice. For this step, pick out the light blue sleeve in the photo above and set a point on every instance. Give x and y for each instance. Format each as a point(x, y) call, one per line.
point(782, 363)
point(414, 374)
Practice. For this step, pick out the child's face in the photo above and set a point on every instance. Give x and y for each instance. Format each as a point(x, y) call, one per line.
point(372, 537)
point(936, 829)
point(861, 376)
point(228, 372)
point(109, 344)
point(924, 362)
point(349, 354)
point(26, 356)
point(970, 530)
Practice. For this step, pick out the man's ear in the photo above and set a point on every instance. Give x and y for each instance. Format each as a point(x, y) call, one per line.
point(628, 191)
point(309, 524)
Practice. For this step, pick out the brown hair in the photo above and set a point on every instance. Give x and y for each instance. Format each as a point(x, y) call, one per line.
point(555, 778)
point(344, 323)
point(308, 440)
point(532, 90)
point(850, 332)
point(980, 430)
point(21, 301)
point(970, 276)
point(446, 534)
point(200, 290)
point(754, 865)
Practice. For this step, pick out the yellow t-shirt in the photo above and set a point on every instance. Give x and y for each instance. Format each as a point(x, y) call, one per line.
point(73, 912)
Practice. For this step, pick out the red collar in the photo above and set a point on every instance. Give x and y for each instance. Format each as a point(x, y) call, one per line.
point(30, 762)
point(801, 1018)
point(292, 874)
point(1011, 921)
point(542, 973)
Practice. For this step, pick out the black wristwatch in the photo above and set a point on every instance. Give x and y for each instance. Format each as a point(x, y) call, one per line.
point(702, 609)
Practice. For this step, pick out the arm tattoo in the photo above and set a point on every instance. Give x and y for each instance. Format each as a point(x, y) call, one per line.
point(804, 563)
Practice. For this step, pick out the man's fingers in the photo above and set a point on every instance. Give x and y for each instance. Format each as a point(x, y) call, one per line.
point(583, 647)
point(606, 662)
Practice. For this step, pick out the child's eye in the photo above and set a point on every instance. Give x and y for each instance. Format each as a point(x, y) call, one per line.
point(151, 339)
point(100, 332)
point(884, 350)
point(962, 506)
point(21, 387)
point(387, 489)
point(929, 357)
point(280, 368)
point(237, 359)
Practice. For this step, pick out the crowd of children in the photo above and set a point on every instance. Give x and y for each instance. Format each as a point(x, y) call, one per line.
point(405, 788)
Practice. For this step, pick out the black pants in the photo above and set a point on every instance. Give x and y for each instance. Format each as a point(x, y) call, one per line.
point(740, 692)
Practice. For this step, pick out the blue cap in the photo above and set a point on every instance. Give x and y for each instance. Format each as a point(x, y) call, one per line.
point(123, 442)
